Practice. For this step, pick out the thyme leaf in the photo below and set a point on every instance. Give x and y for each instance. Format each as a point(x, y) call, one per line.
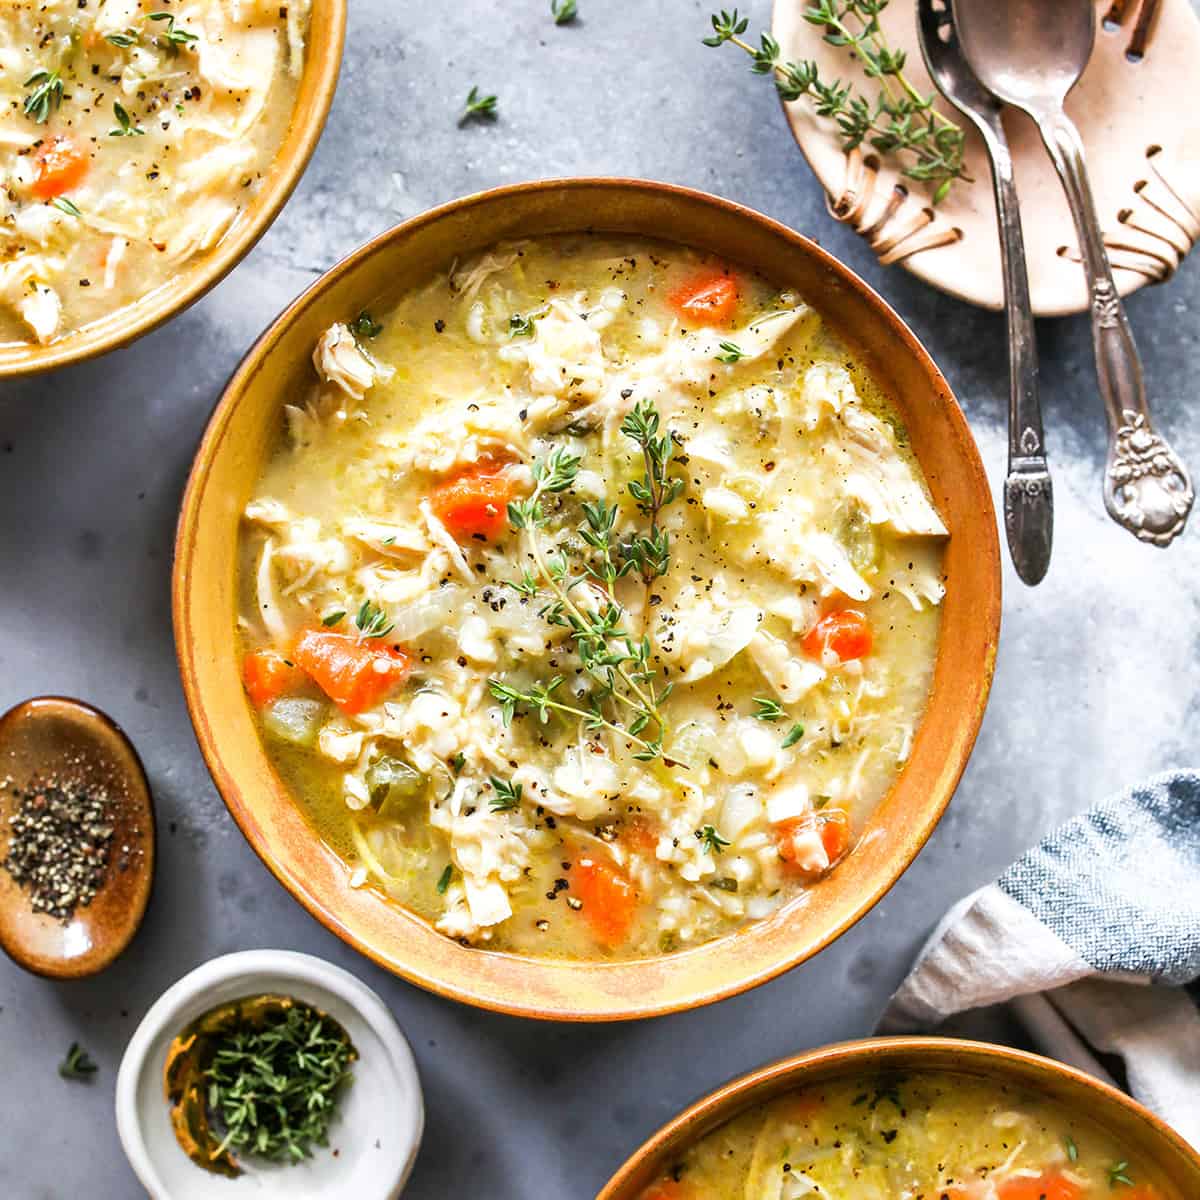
point(479, 107)
point(730, 353)
point(126, 126)
point(506, 795)
point(77, 1064)
point(564, 11)
point(372, 621)
point(1118, 1173)
point(364, 327)
point(767, 709)
point(67, 206)
point(794, 735)
point(46, 96)
point(714, 843)
point(444, 879)
point(173, 36)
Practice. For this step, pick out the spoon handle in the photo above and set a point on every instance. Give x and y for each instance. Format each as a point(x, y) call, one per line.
point(1028, 496)
point(1147, 489)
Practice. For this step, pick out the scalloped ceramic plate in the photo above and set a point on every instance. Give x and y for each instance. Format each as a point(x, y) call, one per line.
point(1143, 149)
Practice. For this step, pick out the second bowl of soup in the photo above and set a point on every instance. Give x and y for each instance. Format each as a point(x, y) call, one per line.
point(912, 1118)
point(585, 590)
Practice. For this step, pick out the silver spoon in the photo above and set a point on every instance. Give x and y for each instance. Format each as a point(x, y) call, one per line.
point(1028, 497)
point(1030, 54)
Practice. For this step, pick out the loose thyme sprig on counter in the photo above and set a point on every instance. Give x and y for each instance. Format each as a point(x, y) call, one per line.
point(627, 699)
point(901, 121)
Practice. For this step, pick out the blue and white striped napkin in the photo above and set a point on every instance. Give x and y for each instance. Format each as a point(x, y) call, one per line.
point(1091, 938)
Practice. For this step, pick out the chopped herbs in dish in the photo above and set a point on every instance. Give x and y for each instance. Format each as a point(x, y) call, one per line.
point(927, 1136)
point(573, 631)
point(130, 142)
point(259, 1077)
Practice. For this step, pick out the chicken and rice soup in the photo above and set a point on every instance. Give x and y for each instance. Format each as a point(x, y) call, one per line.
point(927, 1136)
point(132, 134)
point(590, 599)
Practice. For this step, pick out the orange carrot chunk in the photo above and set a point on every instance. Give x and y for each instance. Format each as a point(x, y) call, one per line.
point(609, 899)
point(707, 300)
point(355, 675)
point(267, 675)
point(61, 166)
point(475, 503)
point(834, 825)
point(1050, 1185)
point(668, 1189)
point(846, 632)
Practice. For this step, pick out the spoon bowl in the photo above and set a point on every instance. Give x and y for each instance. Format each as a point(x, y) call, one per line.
point(53, 740)
point(1026, 52)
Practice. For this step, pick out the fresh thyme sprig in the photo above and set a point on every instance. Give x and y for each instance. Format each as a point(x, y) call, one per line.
point(126, 125)
point(901, 121)
point(125, 38)
point(539, 699)
point(372, 621)
point(650, 553)
point(617, 662)
point(77, 1064)
point(714, 843)
point(1118, 1173)
point(172, 35)
point(730, 353)
point(478, 106)
point(506, 795)
point(275, 1089)
point(46, 96)
point(767, 709)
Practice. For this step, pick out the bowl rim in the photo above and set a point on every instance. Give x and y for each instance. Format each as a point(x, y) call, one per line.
point(637, 1003)
point(299, 969)
point(763, 1083)
point(203, 274)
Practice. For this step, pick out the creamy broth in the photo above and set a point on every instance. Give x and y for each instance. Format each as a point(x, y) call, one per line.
point(551, 710)
point(132, 135)
point(929, 1136)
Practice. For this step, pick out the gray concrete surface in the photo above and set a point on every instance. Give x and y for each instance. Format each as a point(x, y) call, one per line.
point(1095, 686)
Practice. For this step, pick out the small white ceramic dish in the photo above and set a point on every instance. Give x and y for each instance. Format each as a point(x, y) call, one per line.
point(372, 1143)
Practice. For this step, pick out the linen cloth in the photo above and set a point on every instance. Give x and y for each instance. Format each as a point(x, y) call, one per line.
point(1091, 938)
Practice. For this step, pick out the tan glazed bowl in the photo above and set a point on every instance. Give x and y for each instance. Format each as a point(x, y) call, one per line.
point(1134, 1127)
point(323, 57)
point(245, 426)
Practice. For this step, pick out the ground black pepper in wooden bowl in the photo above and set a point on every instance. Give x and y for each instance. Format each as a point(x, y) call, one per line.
point(76, 837)
point(59, 846)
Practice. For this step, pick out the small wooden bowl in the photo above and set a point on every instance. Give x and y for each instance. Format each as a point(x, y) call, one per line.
point(323, 56)
point(49, 740)
point(246, 424)
point(1133, 1126)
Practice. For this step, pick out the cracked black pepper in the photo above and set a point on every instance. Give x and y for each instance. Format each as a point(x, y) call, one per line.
point(59, 847)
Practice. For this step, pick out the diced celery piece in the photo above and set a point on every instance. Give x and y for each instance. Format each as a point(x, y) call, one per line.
point(392, 783)
point(294, 720)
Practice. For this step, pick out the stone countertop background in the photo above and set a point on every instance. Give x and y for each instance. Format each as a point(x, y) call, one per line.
point(1096, 681)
